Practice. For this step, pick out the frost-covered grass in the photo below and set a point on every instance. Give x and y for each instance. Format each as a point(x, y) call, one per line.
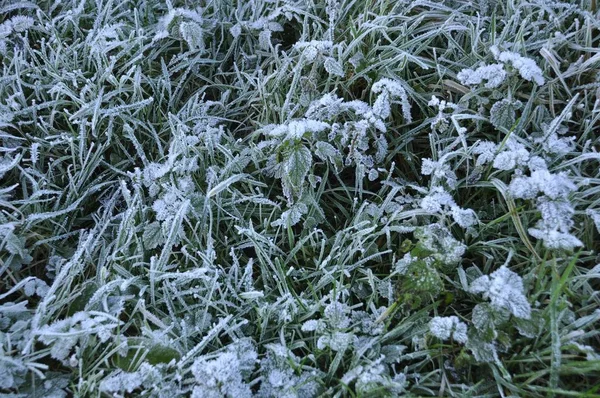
point(297, 198)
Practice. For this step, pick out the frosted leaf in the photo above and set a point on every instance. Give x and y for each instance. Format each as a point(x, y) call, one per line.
point(437, 239)
point(154, 171)
point(64, 334)
point(297, 166)
point(392, 89)
point(502, 113)
point(537, 163)
point(558, 145)
point(533, 327)
point(554, 239)
point(337, 341)
point(382, 106)
point(556, 214)
point(264, 39)
point(464, 217)
point(402, 265)
point(381, 146)
point(326, 151)
point(236, 30)
point(516, 155)
point(595, 216)
point(445, 327)
point(313, 325)
point(34, 152)
point(482, 350)
point(296, 129)
point(440, 171)
point(121, 382)
point(493, 74)
point(483, 319)
point(20, 23)
point(311, 49)
point(374, 380)
point(292, 216)
point(436, 200)
point(373, 175)
point(333, 67)
point(527, 67)
point(504, 289)
point(193, 35)
point(542, 181)
point(366, 323)
point(327, 107)
point(153, 236)
point(523, 188)
point(486, 151)
point(220, 377)
point(35, 286)
point(336, 315)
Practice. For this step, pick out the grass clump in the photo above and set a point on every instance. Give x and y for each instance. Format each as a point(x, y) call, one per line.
point(287, 198)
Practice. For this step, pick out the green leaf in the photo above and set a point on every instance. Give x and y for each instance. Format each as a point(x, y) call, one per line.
point(297, 166)
point(503, 115)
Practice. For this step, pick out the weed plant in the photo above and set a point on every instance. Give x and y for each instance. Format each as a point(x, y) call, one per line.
point(299, 198)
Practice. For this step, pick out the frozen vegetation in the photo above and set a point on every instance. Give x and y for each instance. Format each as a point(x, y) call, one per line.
point(297, 198)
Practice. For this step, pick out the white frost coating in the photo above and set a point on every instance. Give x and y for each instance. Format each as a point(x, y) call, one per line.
point(554, 186)
point(554, 239)
point(504, 289)
point(311, 49)
point(448, 327)
point(219, 377)
point(514, 155)
point(389, 90)
point(493, 75)
point(297, 128)
point(527, 67)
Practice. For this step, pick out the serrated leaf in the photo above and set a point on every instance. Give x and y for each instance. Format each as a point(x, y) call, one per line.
point(333, 67)
point(482, 350)
point(297, 166)
point(193, 35)
point(502, 114)
point(327, 152)
point(532, 327)
point(153, 235)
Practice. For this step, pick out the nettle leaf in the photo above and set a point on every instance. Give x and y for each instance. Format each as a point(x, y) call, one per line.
point(482, 350)
point(333, 67)
point(531, 327)
point(327, 152)
point(297, 166)
point(153, 236)
point(485, 319)
point(192, 34)
point(503, 115)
